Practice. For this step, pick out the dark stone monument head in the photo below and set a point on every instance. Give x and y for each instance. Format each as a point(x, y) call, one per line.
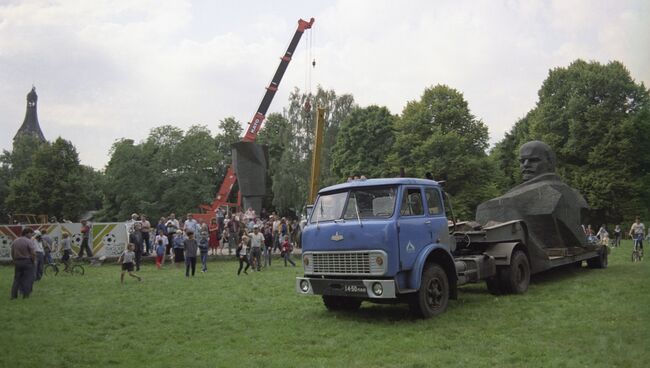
point(551, 210)
point(536, 158)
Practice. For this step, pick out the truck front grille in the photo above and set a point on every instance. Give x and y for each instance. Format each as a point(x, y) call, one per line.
point(345, 263)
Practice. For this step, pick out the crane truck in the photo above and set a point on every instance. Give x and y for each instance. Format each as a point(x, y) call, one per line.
point(254, 126)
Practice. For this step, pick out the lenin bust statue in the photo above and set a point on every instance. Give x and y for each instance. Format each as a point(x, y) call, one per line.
point(551, 209)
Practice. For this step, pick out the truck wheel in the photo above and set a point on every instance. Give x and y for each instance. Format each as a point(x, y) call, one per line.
point(433, 296)
point(600, 261)
point(335, 303)
point(516, 277)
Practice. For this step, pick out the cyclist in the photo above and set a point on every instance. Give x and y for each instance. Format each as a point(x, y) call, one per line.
point(637, 231)
point(66, 248)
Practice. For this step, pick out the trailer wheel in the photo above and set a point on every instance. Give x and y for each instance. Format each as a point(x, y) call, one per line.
point(433, 296)
point(335, 303)
point(599, 261)
point(516, 277)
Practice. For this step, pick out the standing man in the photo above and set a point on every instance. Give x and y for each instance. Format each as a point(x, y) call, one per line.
point(276, 232)
point(191, 246)
point(191, 225)
point(48, 246)
point(137, 239)
point(146, 229)
point(172, 226)
point(637, 231)
point(85, 237)
point(130, 222)
point(23, 254)
point(40, 255)
point(257, 239)
point(220, 215)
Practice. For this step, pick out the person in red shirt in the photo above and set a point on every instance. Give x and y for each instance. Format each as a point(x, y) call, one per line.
point(286, 251)
point(85, 237)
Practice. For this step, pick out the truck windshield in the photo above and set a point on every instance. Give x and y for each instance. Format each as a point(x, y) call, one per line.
point(357, 203)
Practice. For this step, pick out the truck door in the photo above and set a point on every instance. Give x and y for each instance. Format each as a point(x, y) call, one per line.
point(437, 220)
point(414, 231)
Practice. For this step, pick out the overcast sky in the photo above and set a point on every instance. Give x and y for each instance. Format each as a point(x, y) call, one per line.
point(108, 69)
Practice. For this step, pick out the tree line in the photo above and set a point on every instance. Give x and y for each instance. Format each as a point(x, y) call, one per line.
point(595, 117)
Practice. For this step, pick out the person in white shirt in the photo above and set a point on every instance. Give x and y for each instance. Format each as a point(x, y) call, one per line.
point(257, 239)
point(191, 225)
point(637, 231)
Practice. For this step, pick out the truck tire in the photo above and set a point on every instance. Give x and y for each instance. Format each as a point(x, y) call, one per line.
point(335, 303)
point(600, 261)
point(516, 277)
point(433, 297)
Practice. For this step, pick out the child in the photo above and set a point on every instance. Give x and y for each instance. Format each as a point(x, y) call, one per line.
point(203, 249)
point(66, 247)
point(178, 248)
point(160, 252)
point(241, 254)
point(286, 251)
point(127, 257)
point(161, 238)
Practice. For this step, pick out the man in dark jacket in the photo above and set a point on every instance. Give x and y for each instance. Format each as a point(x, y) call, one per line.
point(23, 253)
point(137, 238)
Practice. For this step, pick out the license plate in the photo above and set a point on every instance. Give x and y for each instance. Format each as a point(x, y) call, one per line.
point(354, 289)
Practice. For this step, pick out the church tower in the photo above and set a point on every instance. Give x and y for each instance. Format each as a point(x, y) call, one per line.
point(30, 124)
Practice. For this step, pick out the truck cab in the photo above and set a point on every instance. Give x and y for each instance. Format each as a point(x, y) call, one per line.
point(373, 240)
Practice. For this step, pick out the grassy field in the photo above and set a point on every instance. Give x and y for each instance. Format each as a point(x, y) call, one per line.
point(569, 318)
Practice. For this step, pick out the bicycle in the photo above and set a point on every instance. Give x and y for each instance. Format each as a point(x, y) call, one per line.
point(53, 269)
point(637, 252)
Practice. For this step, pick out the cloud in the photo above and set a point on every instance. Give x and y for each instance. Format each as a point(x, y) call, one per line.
point(111, 69)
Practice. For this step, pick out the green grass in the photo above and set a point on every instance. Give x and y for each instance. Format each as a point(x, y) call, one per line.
point(569, 318)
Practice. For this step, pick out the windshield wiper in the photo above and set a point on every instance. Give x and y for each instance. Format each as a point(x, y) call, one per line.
point(356, 210)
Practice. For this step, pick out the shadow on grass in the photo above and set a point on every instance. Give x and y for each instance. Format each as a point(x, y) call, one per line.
point(475, 295)
point(559, 274)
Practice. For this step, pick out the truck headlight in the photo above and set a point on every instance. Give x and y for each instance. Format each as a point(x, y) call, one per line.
point(305, 261)
point(377, 288)
point(304, 286)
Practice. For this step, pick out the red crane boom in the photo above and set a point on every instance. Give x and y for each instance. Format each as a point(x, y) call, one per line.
point(255, 125)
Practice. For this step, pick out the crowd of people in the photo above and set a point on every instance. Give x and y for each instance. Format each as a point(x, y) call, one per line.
point(637, 233)
point(252, 239)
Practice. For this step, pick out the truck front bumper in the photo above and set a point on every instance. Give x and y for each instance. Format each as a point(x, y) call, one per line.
point(374, 289)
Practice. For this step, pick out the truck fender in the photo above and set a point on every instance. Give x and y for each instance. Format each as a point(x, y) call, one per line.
point(502, 252)
point(438, 254)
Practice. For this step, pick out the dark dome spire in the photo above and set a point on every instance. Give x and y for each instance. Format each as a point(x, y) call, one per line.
point(30, 124)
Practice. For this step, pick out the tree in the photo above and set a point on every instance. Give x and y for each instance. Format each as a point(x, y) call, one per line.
point(51, 185)
point(124, 185)
point(169, 171)
point(276, 135)
point(438, 134)
point(597, 119)
point(364, 141)
point(290, 154)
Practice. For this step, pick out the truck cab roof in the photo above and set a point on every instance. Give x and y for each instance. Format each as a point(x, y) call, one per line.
point(378, 182)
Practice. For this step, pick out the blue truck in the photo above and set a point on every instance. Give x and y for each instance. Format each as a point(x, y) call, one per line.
point(391, 241)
